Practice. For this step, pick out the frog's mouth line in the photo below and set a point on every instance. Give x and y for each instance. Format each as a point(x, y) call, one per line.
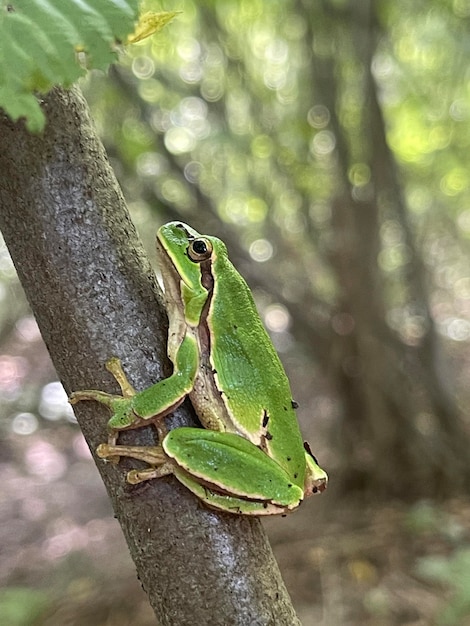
point(204, 333)
point(167, 268)
point(173, 291)
point(164, 259)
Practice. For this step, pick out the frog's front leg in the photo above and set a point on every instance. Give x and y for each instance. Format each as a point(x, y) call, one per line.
point(134, 409)
point(119, 405)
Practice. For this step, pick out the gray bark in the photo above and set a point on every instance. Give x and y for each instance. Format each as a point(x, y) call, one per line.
point(94, 295)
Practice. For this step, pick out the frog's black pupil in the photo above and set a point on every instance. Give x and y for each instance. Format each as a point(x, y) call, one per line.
point(199, 246)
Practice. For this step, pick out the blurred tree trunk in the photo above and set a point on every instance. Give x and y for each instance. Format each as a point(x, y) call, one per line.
point(401, 433)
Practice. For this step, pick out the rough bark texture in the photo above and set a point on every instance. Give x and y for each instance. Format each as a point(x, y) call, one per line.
point(94, 295)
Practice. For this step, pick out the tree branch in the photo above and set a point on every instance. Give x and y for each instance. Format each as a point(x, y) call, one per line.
point(94, 295)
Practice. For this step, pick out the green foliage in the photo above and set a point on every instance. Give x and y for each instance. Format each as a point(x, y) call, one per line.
point(241, 103)
point(453, 572)
point(21, 606)
point(425, 517)
point(53, 43)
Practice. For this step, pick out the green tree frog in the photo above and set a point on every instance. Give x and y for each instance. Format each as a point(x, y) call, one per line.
point(249, 458)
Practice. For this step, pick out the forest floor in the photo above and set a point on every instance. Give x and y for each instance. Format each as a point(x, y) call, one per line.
point(64, 560)
point(379, 565)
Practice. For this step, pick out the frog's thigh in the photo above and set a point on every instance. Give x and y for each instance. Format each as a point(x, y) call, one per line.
point(227, 464)
point(230, 504)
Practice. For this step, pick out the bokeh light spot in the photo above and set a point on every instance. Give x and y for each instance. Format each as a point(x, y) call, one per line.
point(54, 403)
point(277, 318)
point(323, 143)
point(261, 250)
point(179, 140)
point(143, 67)
point(24, 424)
point(43, 460)
point(318, 116)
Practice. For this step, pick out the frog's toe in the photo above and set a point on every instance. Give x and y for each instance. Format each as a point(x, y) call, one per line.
point(92, 394)
point(114, 366)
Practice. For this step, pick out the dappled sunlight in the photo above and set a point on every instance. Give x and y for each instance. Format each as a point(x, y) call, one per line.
point(277, 318)
point(463, 222)
point(45, 461)
point(7, 269)
point(54, 404)
point(179, 140)
point(24, 423)
point(327, 144)
point(241, 209)
point(343, 323)
point(64, 537)
point(410, 326)
point(261, 250)
point(81, 448)
point(28, 329)
point(143, 67)
point(455, 328)
point(13, 370)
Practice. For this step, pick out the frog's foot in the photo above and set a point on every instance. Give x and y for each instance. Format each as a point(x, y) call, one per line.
point(123, 416)
point(153, 455)
point(121, 407)
point(134, 477)
point(114, 366)
point(316, 479)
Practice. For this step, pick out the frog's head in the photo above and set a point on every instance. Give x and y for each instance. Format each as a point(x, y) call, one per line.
point(186, 258)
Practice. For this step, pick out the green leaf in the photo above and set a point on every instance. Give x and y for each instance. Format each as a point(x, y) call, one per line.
point(150, 23)
point(53, 42)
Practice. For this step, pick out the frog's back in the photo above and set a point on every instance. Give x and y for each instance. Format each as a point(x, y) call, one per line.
point(247, 366)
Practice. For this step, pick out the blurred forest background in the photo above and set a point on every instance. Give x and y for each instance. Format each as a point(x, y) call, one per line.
point(328, 143)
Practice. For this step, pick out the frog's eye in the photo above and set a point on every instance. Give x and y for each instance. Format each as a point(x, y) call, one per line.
point(200, 250)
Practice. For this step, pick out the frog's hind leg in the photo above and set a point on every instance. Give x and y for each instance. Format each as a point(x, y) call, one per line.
point(160, 464)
